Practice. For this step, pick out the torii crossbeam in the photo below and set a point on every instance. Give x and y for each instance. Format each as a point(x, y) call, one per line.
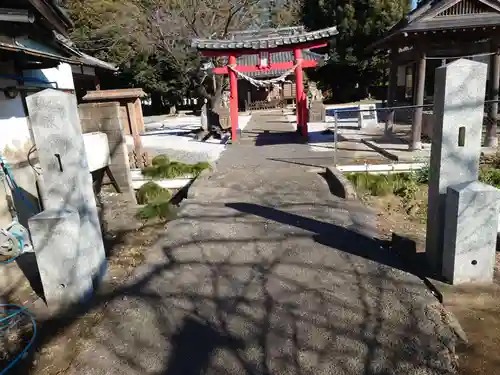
point(265, 43)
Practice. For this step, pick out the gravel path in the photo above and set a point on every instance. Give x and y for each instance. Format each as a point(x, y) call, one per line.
point(265, 272)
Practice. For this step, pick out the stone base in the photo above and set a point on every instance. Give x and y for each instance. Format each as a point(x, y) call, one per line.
point(470, 232)
point(55, 236)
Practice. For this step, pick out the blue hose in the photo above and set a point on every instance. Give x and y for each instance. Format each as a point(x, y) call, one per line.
point(15, 310)
point(10, 260)
point(19, 310)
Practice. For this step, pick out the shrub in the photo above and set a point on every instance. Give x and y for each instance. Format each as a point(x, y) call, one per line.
point(160, 160)
point(422, 175)
point(160, 209)
point(162, 167)
point(400, 184)
point(490, 176)
point(379, 185)
point(405, 186)
point(151, 191)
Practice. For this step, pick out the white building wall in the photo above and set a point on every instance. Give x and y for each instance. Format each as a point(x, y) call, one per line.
point(62, 76)
point(15, 137)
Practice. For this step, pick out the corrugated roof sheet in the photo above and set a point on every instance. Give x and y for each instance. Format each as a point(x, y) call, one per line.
point(262, 42)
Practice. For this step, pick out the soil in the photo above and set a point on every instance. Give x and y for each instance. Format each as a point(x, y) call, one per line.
point(476, 307)
point(60, 334)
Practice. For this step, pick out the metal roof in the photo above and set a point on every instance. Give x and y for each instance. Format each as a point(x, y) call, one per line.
point(257, 42)
point(96, 63)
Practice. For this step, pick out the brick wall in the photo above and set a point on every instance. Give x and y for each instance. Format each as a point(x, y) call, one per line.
point(107, 118)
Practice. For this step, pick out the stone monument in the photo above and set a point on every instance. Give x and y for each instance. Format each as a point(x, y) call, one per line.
point(470, 232)
point(67, 186)
point(456, 144)
point(204, 115)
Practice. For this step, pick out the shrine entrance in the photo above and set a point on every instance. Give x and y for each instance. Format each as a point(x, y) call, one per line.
point(266, 44)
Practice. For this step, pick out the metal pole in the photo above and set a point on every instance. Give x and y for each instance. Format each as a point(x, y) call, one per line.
point(335, 139)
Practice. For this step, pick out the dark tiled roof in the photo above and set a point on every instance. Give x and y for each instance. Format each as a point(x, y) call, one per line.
point(276, 57)
point(264, 42)
point(431, 16)
point(266, 33)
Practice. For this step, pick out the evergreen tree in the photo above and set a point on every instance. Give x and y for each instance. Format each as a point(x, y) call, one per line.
point(351, 70)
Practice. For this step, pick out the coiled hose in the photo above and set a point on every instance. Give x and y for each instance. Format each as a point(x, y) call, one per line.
point(10, 315)
point(11, 318)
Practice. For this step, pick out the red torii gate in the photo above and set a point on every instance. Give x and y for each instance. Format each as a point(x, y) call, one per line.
point(265, 46)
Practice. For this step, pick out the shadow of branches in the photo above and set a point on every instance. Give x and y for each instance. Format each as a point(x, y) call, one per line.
point(252, 289)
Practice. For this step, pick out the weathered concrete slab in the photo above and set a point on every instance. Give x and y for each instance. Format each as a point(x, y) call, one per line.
point(67, 183)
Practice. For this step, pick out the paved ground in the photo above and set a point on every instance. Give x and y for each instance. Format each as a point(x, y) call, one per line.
point(265, 272)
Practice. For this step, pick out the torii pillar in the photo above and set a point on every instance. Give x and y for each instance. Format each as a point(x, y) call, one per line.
point(300, 96)
point(233, 99)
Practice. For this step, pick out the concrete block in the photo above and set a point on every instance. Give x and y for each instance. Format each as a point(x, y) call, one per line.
point(61, 261)
point(470, 232)
point(66, 176)
point(456, 142)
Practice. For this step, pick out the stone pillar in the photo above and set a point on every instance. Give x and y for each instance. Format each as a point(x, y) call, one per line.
point(456, 142)
point(204, 115)
point(491, 139)
point(62, 267)
point(416, 128)
point(470, 232)
point(67, 183)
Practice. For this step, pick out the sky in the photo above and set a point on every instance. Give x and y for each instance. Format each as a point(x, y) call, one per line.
point(413, 4)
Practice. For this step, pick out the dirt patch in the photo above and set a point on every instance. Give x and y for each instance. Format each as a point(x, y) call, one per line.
point(405, 217)
point(60, 337)
point(477, 308)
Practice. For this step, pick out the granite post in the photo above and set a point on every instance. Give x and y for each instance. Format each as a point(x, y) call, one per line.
point(470, 232)
point(66, 177)
point(456, 144)
point(204, 115)
point(55, 237)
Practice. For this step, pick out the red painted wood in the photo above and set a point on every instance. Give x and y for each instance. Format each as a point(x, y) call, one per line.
point(220, 53)
point(299, 98)
point(233, 99)
point(273, 66)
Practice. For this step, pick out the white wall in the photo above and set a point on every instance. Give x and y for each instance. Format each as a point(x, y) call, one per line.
point(14, 131)
point(15, 139)
point(62, 76)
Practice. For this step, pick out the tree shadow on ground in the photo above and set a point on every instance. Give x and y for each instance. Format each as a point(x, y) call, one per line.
point(335, 236)
point(202, 311)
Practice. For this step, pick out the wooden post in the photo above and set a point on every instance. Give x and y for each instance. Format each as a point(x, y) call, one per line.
point(233, 98)
point(391, 90)
point(416, 129)
point(132, 116)
point(491, 139)
point(299, 94)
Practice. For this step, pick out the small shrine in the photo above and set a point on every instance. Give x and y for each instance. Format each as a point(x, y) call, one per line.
point(435, 33)
point(267, 52)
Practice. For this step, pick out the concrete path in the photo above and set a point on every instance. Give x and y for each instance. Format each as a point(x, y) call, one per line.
point(265, 272)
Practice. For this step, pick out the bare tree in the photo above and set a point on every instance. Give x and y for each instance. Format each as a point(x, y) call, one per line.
point(172, 25)
point(119, 30)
